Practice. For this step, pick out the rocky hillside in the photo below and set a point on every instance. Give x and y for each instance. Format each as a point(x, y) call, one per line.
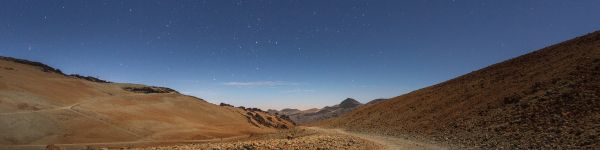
point(547, 99)
point(314, 114)
point(260, 118)
point(376, 101)
point(40, 105)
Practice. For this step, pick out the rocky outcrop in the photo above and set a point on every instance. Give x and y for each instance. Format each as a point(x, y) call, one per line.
point(46, 68)
point(89, 78)
point(150, 89)
point(42, 66)
point(225, 104)
point(260, 118)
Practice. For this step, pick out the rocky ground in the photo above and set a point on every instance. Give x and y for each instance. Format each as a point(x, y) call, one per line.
point(547, 99)
point(293, 139)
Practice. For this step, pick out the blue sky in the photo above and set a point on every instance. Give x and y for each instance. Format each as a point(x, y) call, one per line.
point(286, 53)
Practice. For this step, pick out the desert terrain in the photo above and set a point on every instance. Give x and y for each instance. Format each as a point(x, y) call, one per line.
point(43, 108)
point(39, 106)
point(547, 99)
point(318, 138)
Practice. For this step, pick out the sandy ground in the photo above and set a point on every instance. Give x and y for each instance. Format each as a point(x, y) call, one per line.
point(390, 143)
point(308, 138)
point(119, 145)
point(40, 107)
point(297, 138)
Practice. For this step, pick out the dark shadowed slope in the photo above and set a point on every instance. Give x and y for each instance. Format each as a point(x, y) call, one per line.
point(549, 98)
point(41, 105)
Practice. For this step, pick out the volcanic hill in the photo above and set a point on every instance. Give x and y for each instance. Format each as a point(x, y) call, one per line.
point(547, 99)
point(40, 105)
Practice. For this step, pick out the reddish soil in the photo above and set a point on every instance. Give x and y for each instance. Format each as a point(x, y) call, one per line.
point(547, 99)
point(40, 105)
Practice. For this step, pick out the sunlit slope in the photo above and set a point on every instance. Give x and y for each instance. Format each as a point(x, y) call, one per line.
point(548, 98)
point(39, 105)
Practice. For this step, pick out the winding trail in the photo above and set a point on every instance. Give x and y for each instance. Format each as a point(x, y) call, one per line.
point(72, 107)
point(391, 143)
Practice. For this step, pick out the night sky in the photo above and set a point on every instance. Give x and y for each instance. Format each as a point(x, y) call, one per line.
point(286, 53)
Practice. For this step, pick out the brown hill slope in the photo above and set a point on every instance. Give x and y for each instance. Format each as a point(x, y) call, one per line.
point(40, 105)
point(549, 98)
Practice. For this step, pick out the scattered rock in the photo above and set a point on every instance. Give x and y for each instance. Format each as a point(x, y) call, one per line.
point(223, 104)
point(89, 78)
point(286, 140)
point(42, 66)
point(150, 89)
point(52, 147)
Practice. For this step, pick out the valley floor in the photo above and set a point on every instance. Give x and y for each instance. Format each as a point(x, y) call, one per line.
point(312, 138)
point(391, 143)
point(292, 139)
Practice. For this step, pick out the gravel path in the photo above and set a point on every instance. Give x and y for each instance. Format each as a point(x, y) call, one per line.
point(311, 138)
point(390, 143)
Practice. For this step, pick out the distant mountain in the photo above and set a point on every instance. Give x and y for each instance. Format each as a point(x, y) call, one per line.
point(312, 110)
point(349, 103)
point(547, 99)
point(289, 111)
point(315, 114)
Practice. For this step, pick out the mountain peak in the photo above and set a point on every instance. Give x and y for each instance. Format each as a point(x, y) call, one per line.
point(349, 102)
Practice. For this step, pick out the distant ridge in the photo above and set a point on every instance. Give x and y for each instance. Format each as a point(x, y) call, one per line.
point(315, 114)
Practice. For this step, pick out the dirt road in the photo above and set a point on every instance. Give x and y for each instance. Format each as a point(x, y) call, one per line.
point(391, 143)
